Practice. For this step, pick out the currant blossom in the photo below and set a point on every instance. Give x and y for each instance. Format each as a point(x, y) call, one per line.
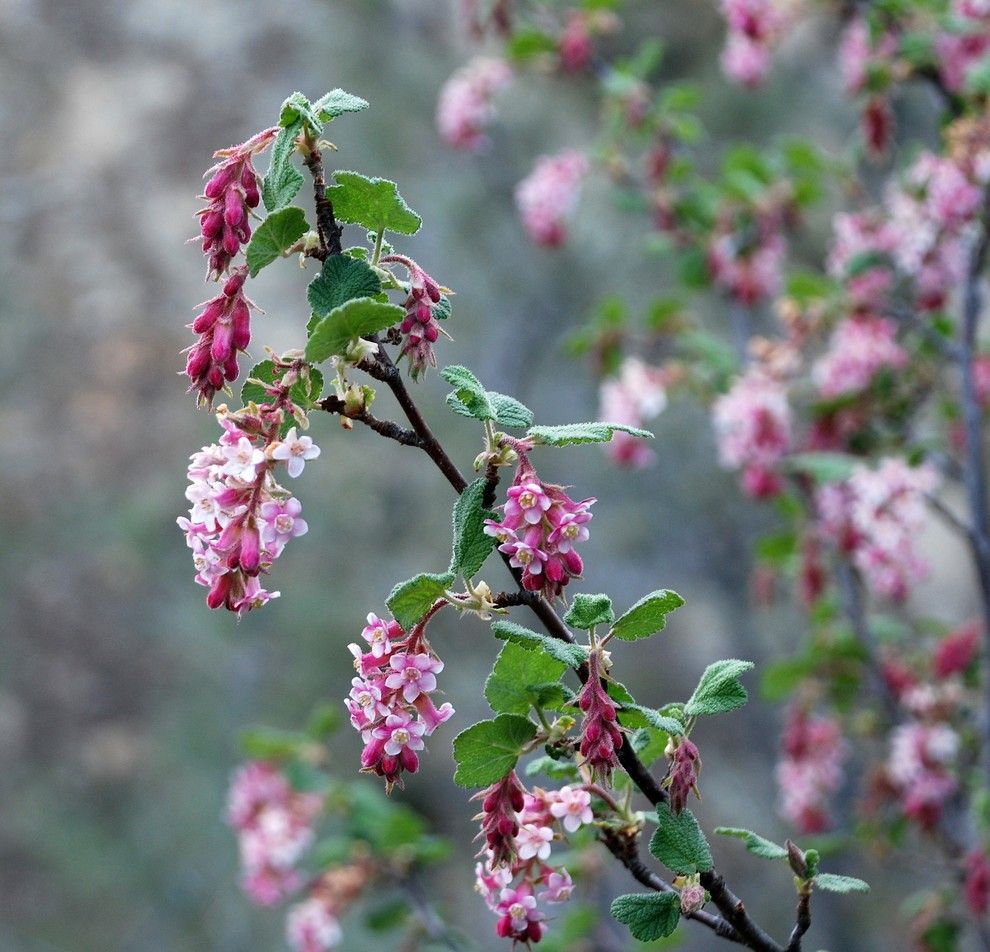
point(683, 778)
point(860, 347)
point(572, 806)
point(413, 674)
point(501, 802)
point(637, 394)
point(547, 198)
point(600, 734)
point(420, 327)
point(559, 887)
point(748, 270)
point(311, 926)
point(294, 450)
point(379, 634)
point(519, 918)
point(918, 768)
point(976, 887)
point(755, 26)
point(533, 842)
point(465, 107)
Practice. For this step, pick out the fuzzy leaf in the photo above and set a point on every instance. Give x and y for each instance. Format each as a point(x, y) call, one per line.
point(274, 236)
point(283, 181)
point(298, 111)
point(469, 397)
point(342, 279)
point(662, 722)
point(679, 843)
point(756, 844)
point(564, 652)
point(830, 882)
point(373, 203)
point(517, 679)
point(509, 411)
point(358, 317)
point(573, 433)
point(719, 689)
point(647, 616)
point(471, 545)
point(442, 310)
point(488, 750)
point(409, 601)
point(303, 392)
point(649, 916)
point(337, 102)
point(587, 611)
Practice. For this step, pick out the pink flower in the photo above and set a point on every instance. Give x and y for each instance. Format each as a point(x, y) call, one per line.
point(559, 887)
point(295, 450)
point(859, 349)
point(282, 522)
point(311, 926)
point(683, 780)
point(748, 270)
point(976, 887)
point(519, 917)
point(243, 459)
point(533, 842)
point(465, 108)
point(600, 734)
point(957, 650)
point(635, 396)
point(575, 45)
point(379, 634)
point(364, 703)
point(857, 238)
point(547, 198)
point(958, 54)
point(413, 674)
point(745, 61)
point(755, 26)
point(501, 802)
point(572, 806)
point(810, 769)
point(401, 734)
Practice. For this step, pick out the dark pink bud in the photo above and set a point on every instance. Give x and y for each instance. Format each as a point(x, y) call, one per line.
point(221, 179)
point(234, 283)
point(208, 318)
point(222, 345)
point(431, 333)
point(230, 368)
point(218, 593)
point(241, 321)
point(212, 224)
point(198, 361)
point(249, 556)
point(233, 208)
point(231, 243)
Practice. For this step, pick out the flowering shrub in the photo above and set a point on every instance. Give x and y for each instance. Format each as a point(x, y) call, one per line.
point(558, 707)
point(847, 387)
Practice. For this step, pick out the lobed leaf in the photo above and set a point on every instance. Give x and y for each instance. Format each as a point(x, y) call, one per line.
point(373, 203)
point(566, 653)
point(647, 616)
point(410, 600)
point(518, 678)
point(471, 545)
point(341, 279)
point(488, 750)
point(679, 843)
point(357, 317)
point(274, 236)
point(283, 181)
point(587, 611)
point(719, 689)
point(649, 916)
point(756, 844)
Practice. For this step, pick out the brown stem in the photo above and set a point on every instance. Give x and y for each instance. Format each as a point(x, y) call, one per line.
point(326, 222)
point(803, 923)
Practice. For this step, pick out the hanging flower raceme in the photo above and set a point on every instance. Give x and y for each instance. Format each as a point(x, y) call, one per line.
point(465, 107)
point(748, 266)
point(859, 239)
point(232, 192)
point(241, 518)
point(224, 328)
point(547, 198)
point(633, 397)
point(600, 734)
point(390, 702)
point(311, 926)
point(540, 527)
point(274, 825)
point(755, 26)
point(682, 780)
point(810, 769)
point(753, 430)
point(859, 349)
point(919, 769)
point(515, 876)
point(420, 327)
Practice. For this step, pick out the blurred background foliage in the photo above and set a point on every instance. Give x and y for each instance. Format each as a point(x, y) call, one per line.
point(121, 695)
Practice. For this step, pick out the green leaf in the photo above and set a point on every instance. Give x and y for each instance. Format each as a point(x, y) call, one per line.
point(283, 181)
point(563, 651)
point(554, 769)
point(342, 279)
point(409, 601)
point(337, 102)
point(830, 882)
point(679, 843)
point(822, 467)
point(662, 722)
point(471, 545)
point(719, 689)
point(269, 744)
point(374, 203)
point(647, 616)
point(587, 611)
point(303, 392)
point(469, 397)
point(442, 310)
point(509, 411)
point(298, 111)
point(519, 673)
point(488, 750)
point(274, 236)
point(573, 433)
point(358, 317)
point(756, 844)
point(649, 916)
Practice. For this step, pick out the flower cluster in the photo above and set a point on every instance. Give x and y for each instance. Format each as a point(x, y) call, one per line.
point(748, 267)
point(419, 327)
point(922, 753)
point(390, 703)
point(863, 56)
point(465, 107)
point(810, 769)
point(754, 28)
point(241, 518)
point(634, 396)
point(517, 878)
point(274, 825)
point(224, 328)
point(875, 517)
point(232, 192)
point(860, 347)
point(547, 198)
point(600, 734)
point(540, 527)
point(753, 429)
point(685, 765)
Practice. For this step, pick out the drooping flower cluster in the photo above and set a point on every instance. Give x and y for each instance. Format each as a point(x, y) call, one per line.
point(753, 429)
point(919, 768)
point(685, 765)
point(465, 108)
point(863, 56)
point(810, 769)
point(547, 198)
point(390, 703)
point(514, 876)
point(860, 348)
point(241, 518)
point(419, 327)
point(224, 326)
point(861, 257)
point(755, 26)
point(540, 527)
point(875, 517)
point(232, 192)
point(274, 825)
point(600, 734)
point(313, 924)
point(748, 266)
point(636, 395)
